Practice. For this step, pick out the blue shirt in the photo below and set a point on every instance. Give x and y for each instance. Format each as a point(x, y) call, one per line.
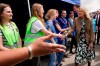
point(94, 24)
point(49, 25)
point(54, 23)
point(71, 24)
point(63, 23)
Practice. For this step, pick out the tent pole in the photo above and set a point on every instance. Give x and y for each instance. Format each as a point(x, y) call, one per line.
point(29, 8)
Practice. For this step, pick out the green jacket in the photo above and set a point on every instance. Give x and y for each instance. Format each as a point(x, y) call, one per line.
point(12, 36)
point(31, 37)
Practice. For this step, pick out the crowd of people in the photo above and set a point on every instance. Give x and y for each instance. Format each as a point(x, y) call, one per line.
point(49, 35)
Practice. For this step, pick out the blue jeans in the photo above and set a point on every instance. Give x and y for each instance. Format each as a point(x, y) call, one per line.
point(60, 55)
point(53, 59)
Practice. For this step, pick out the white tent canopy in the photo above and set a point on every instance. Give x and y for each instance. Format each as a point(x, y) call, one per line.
point(91, 5)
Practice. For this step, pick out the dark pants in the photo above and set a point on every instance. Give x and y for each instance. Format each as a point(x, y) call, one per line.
point(98, 36)
point(73, 42)
point(95, 39)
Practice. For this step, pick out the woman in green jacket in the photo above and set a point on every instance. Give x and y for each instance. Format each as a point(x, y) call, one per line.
point(36, 27)
point(9, 33)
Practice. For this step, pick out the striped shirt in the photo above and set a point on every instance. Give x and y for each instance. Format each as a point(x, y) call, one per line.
point(2, 35)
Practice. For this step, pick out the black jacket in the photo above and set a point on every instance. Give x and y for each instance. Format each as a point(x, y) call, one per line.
point(98, 24)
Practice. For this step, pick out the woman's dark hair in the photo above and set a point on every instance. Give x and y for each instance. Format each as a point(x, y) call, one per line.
point(2, 6)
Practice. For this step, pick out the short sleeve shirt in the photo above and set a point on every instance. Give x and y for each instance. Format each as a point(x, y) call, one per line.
point(37, 26)
point(49, 25)
point(63, 23)
point(54, 23)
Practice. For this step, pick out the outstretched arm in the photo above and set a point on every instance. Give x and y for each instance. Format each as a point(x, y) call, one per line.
point(11, 57)
point(14, 56)
point(60, 29)
point(72, 28)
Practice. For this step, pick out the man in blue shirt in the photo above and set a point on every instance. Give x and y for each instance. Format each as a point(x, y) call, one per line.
point(63, 24)
point(62, 20)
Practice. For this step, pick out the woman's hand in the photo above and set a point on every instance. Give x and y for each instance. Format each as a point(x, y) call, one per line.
point(40, 47)
point(61, 36)
point(68, 28)
point(91, 45)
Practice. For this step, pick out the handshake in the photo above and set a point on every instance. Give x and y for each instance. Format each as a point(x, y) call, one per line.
point(67, 34)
